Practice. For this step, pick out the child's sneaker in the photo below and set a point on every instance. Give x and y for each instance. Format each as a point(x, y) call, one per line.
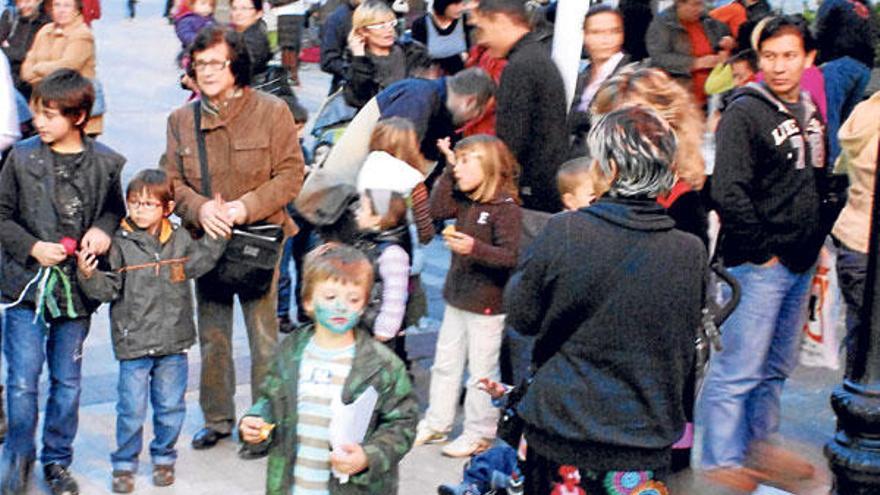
point(466, 446)
point(426, 435)
point(123, 481)
point(163, 474)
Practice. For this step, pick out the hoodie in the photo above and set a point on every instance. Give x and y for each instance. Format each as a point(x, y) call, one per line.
point(770, 181)
point(615, 338)
point(858, 159)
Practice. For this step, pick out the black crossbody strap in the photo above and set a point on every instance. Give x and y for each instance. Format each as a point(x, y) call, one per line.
point(203, 152)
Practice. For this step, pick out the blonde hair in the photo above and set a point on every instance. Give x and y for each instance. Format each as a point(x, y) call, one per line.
point(337, 262)
point(397, 137)
point(500, 168)
point(370, 12)
point(672, 102)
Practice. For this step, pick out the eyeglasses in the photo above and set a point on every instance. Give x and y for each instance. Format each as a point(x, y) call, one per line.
point(146, 205)
point(382, 25)
point(241, 9)
point(214, 65)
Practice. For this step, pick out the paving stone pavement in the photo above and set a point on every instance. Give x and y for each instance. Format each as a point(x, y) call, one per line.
point(136, 65)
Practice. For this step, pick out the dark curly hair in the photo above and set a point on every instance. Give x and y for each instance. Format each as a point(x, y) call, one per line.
point(239, 59)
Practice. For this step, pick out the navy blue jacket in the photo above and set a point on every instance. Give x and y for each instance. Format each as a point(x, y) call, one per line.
point(334, 41)
point(423, 102)
point(614, 294)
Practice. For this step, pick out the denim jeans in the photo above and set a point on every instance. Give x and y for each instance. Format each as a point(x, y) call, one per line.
point(295, 250)
point(740, 401)
point(27, 344)
point(163, 378)
point(852, 269)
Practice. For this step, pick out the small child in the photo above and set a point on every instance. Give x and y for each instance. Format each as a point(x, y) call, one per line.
point(484, 244)
point(385, 239)
point(576, 183)
point(322, 367)
point(295, 247)
point(151, 315)
point(58, 192)
point(191, 18)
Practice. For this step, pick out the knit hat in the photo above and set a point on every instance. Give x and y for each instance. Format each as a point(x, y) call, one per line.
point(439, 6)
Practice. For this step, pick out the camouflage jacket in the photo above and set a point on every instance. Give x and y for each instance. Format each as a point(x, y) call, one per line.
point(392, 427)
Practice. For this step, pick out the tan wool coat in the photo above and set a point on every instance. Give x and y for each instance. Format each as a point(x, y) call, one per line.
point(71, 47)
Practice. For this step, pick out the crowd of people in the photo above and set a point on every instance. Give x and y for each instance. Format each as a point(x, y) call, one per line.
point(578, 226)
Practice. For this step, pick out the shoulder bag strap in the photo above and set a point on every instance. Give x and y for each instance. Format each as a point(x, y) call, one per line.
point(203, 152)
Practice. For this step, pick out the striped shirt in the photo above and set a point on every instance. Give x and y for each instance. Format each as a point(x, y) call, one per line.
point(322, 374)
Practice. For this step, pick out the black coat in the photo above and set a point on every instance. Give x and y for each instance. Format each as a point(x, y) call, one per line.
point(27, 209)
point(257, 42)
point(614, 294)
point(19, 33)
point(531, 120)
point(334, 41)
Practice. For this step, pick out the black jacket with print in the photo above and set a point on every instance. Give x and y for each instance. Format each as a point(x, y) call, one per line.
point(770, 181)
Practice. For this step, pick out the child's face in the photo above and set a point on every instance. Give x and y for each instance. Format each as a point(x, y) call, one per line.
point(146, 211)
point(742, 73)
point(300, 129)
point(582, 196)
point(203, 8)
point(52, 126)
point(366, 219)
point(336, 305)
point(468, 171)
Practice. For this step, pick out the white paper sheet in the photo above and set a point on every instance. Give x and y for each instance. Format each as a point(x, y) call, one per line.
point(350, 422)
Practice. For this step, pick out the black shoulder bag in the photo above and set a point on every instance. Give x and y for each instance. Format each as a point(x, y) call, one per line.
point(251, 255)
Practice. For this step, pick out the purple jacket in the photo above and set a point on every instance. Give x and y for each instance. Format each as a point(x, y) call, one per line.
point(187, 25)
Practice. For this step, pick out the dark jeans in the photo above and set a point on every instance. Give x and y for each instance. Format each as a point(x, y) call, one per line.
point(542, 475)
point(295, 249)
point(163, 380)
point(27, 345)
point(852, 268)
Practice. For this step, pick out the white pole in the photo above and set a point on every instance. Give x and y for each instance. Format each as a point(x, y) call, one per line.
point(568, 42)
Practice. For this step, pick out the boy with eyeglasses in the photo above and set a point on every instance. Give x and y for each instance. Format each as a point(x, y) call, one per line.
point(151, 316)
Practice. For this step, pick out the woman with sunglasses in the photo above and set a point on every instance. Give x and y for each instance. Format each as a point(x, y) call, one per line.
point(377, 57)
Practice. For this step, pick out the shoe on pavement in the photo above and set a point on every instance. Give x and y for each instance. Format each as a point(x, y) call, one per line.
point(426, 435)
point(250, 452)
point(207, 438)
point(466, 446)
point(60, 480)
point(163, 474)
point(123, 481)
point(736, 478)
point(285, 326)
point(15, 474)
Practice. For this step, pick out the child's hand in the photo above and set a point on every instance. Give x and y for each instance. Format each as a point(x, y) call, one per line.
point(445, 147)
point(459, 243)
point(48, 253)
point(95, 241)
point(87, 263)
point(250, 429)
point(349, 459)
point(491, 387)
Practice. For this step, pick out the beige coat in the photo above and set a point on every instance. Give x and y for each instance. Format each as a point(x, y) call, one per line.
point(253, 156)
point(858, 158)
point(72, 47)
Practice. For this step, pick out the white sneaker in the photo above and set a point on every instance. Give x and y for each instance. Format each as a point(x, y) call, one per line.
point(426, 435)
point(466, 446)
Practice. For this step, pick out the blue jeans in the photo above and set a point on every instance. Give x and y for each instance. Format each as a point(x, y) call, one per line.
point(740, 401)
point(27, 344)
point(164, 378)
point(852, 269)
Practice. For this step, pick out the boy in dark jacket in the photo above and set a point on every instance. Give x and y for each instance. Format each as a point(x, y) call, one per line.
point(322, 368)
point(151, 321)
point(57, 191)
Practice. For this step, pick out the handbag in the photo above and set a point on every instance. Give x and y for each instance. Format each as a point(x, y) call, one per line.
point(251, 255)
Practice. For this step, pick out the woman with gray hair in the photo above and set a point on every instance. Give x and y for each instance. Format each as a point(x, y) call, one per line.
point(613, 293)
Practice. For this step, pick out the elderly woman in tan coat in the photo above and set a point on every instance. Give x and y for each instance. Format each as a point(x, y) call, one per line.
point(66, 42)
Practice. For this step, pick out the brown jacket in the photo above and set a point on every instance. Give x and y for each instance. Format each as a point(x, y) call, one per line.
point(70, 48)
point(253, 155)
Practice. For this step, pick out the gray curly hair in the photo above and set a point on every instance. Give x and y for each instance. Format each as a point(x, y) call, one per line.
point(641, 146)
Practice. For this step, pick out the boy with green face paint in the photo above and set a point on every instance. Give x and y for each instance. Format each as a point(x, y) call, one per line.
point(313, 369)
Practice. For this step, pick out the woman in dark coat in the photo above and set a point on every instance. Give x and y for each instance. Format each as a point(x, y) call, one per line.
point(247, 18)
point(613, 293)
